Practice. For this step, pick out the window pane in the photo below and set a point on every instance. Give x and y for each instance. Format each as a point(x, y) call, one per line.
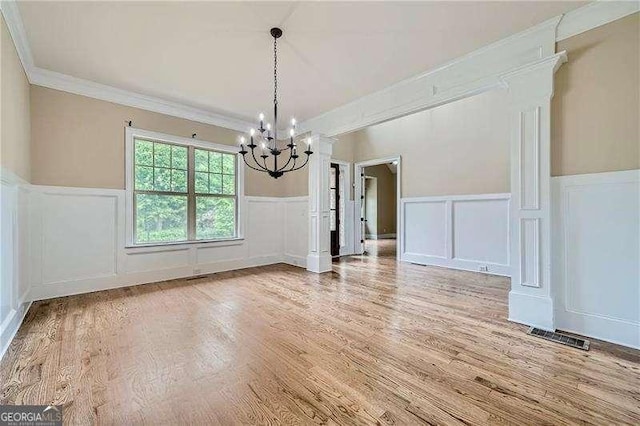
point(215, 182)
point(162, 179)
point(179, 157)
point(162, 155)
point(215, 218)
point(144, 152)
point(215, 162)
point(144, 178)
point(202, 182)
point(179, 180)
point(202, 160)
point(228, 184)
point(161, 218)
point(228, 164)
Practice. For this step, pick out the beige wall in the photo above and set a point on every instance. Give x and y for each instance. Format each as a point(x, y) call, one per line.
point(79, 141)
point(596, 107)
point(387, 206)
point(458, 148)
point(14, 115)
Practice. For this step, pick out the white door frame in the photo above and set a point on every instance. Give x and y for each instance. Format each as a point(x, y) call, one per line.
point(358, 200)
point(350, 245)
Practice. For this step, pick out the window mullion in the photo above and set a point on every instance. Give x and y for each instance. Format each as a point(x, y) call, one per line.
point(191, 198)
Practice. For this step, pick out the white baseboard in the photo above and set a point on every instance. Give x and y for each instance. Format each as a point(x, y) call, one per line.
point(531, 310)
point(11, 325)
point(380, 236)
point(295, 260)
point(460, 264)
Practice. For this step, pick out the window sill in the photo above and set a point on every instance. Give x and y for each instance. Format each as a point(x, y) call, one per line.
point(181, 245)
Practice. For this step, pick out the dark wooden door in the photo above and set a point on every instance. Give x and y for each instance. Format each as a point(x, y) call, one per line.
point(334, 207)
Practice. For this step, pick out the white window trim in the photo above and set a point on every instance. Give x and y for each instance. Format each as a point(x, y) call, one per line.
point(130, 134)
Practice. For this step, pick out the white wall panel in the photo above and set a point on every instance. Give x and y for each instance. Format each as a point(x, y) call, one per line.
point(14, 266)
point(486, 243)
point(426, 230)
point(597, 255)
point(295, 227)
point(469, 232)
point(78, 242)
point(264, 226)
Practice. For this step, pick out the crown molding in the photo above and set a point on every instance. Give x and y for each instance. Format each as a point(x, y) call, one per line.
point(12, 17)
point(594, 15)
point(399, 99)
point(59, 81)
point(55, 80)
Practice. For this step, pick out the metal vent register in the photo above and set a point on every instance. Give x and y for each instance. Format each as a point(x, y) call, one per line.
point(564, 339)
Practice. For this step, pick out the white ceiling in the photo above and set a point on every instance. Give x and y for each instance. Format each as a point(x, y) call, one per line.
point(218, 55)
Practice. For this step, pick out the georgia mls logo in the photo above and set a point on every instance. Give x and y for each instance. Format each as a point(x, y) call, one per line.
point(30, 415)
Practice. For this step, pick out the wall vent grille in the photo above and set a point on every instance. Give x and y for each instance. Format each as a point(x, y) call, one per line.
point(564, 339)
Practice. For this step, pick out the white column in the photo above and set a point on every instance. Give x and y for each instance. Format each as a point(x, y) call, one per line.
point(530, 93)
point(319, 257)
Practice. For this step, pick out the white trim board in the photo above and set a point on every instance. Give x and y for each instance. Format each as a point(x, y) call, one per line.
point(394, 97)
point(467, 75)
point(594, 15)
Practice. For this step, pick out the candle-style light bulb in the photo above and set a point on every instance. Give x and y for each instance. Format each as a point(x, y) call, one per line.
point(261, 117)
point(293, 122)
point(268, 126)
point(292, 132)
point(242, 140)
point(252, 132)
point(263, 146)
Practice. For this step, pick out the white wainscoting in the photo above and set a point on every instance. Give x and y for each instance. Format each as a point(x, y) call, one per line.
point(469, 232)
point(15, 298)
point(79, 242)
point(296, 230)
point(596, 255)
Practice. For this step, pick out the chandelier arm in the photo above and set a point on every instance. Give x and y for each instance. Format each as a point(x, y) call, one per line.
point(253, 154)
point(301, 166)
point(287, 163)
point(255, 168)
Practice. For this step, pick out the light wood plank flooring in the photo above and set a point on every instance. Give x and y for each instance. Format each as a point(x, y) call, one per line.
point(370, 342)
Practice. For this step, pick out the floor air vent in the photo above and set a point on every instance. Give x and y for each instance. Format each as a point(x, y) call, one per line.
point(574, 342)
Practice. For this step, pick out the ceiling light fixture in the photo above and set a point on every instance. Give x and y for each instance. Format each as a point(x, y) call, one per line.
point(267, 136)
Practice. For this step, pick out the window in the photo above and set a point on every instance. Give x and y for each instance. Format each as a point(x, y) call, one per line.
point(180, 190)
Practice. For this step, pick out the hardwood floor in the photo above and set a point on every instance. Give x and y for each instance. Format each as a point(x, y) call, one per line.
point(370, 342)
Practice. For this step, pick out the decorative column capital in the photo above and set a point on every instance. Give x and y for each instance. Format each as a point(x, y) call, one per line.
point(533, 80)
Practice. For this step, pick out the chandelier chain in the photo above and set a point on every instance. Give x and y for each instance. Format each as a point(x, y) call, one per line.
point(275, 70)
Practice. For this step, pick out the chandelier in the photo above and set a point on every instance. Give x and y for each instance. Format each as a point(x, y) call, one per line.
point(272, 155)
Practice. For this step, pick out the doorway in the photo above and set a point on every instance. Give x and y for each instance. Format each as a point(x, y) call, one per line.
point(378, 195)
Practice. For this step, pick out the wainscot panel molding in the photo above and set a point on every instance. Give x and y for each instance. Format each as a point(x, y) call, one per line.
point(78, 242)
point(596, 255)
point(468, 232)
point(15, 297)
